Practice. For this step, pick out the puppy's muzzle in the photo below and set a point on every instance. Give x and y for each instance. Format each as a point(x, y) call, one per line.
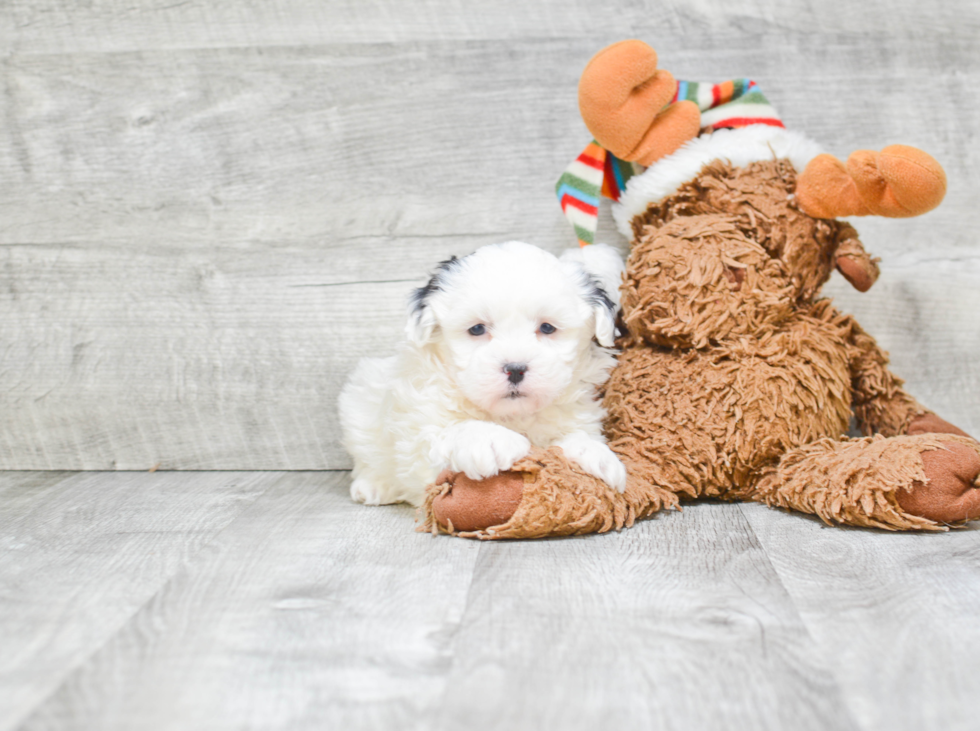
point(515, 372)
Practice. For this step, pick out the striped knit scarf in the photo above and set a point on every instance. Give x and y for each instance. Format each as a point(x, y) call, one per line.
point(597, 171)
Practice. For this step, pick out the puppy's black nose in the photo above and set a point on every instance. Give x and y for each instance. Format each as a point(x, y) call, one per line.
point(515, 372)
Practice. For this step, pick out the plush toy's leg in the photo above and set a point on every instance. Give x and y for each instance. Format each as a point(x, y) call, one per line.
point(624, 99)
point(881, 404)
point(922, 482)
point(543, 495)
point(898, 182)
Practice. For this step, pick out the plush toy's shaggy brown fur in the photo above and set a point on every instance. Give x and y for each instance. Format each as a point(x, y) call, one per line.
point(557, 498)
point(735, 381)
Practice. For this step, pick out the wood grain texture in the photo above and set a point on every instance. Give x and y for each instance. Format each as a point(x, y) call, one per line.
point(678, 623)
point(79, 555)
point(209, 211)
point(242, 370)
point(315, 145)
point(269, 600)
point(308, 612)
point(896, 617)
point(51, 26)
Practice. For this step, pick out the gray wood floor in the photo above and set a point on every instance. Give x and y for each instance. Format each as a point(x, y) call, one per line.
point(210, 209)
point(268, 600)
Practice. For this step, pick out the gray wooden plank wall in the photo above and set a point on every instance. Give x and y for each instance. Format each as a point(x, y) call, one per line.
point(210, 210)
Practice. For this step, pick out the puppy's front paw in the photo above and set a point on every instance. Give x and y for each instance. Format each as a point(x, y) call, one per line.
point(481, 449)
point(595, 458)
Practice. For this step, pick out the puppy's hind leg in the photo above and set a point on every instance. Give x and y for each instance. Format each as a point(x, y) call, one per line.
point(369, 492)
point(362, 405)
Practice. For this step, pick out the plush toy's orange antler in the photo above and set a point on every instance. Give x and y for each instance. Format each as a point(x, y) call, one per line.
point(898, 182)
point(624, 100)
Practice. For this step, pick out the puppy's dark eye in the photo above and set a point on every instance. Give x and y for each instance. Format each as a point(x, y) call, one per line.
point(547, 328)
point(480, 329)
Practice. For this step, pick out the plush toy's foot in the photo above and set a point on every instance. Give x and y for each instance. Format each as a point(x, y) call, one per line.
point(544, 495)
point(951, 491)
point(475, 505)
point(624, 100)
point(911, 482)
point(898, 182)
point(932, 424)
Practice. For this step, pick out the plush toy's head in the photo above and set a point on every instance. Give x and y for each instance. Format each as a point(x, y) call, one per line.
point(721, 150)
point(701, 279)
point(730, 254)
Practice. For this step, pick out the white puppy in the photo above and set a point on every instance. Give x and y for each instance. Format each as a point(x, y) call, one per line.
point(499, 356)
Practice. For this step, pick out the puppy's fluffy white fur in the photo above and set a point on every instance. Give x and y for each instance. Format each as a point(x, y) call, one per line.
point(504, 350)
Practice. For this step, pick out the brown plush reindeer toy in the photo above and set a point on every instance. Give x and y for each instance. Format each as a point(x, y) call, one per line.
point(736, 380)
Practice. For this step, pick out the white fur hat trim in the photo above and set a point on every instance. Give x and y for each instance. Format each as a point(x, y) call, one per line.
point(737, 146)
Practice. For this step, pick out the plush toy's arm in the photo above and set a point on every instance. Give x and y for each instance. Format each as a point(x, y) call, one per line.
point(858, 267)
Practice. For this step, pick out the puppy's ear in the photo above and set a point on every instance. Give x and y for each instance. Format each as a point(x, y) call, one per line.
point(420, 326)
point(604, 310)
point(422, 323)
point(600, 269)
point(603, 263)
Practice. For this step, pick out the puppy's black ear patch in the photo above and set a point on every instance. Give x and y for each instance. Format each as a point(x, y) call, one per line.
point(420, 297)
point(598, 297)
point(421, 321)
point(604, 310)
